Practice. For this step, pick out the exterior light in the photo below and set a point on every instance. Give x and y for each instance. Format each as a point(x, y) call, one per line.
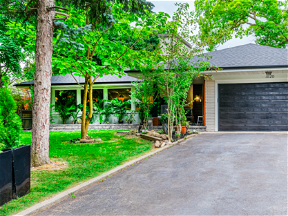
point(269, 74)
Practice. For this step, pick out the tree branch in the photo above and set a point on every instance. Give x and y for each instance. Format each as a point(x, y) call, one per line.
point(63, 14)
point(51, 8)
point(97, 42)
point(77, 81)
point(78, 70)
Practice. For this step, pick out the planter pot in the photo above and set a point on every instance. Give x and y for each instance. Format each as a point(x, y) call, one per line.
point(120, 122)
point(21, 165)
point(5, 177)
point(183, 130)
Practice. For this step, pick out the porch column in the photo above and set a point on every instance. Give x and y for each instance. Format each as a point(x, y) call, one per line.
point(105, 93)
point(52, 96)
point(133, 104)
point(78, 100)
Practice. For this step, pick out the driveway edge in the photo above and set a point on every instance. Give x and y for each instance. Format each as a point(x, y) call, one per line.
point(63, 195)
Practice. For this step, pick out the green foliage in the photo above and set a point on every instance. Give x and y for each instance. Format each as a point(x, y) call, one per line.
point(220, 20)
point(83, 47)
point(145, 93)
point(164, 118)
point(107, 111)
point(174, 77)
point(10, 57)
point(130, 117)
point(100, 12)
point(120, 107)
point(65, 104)
point(10, 123)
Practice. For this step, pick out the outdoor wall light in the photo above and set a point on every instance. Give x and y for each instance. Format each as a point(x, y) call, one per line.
point(198, 98)
point(269, 74)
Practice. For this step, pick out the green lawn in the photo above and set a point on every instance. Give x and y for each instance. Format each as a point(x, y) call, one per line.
point(84, 162)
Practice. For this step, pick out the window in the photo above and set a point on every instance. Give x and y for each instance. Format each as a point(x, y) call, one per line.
point(121, 94)
point(65, 97)
point(97, 95)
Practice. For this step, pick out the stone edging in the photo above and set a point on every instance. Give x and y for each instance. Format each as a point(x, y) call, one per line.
point(65, 194)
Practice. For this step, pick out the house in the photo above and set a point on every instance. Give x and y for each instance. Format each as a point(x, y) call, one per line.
point(107, 87)
point(249, 93)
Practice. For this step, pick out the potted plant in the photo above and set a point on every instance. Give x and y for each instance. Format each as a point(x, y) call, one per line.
point(106, 112)
point(120, 108)
point(64, 105)
point(75, 114)
point(130, 118)
point(183, 127)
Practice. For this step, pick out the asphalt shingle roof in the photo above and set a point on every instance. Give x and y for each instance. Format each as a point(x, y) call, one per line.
point(69, 80)
point(248, 55)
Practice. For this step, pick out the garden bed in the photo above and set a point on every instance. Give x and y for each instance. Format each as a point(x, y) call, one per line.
point(84, 162)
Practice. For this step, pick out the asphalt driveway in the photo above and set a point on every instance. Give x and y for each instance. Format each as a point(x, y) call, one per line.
point(211, 174)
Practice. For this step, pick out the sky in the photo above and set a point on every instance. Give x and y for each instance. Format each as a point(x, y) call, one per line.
point(168, 6)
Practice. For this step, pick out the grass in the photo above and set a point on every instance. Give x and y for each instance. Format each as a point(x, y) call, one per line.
point(85, 161)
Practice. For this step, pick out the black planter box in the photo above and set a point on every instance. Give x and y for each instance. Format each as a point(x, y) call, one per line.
point(21, 167)
point(14, 173)
point(5, 177)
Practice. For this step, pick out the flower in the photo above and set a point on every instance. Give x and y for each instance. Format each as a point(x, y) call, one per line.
point(26, 106)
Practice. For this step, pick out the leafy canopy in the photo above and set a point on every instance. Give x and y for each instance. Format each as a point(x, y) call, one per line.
point(84, 50)
point(266, 19)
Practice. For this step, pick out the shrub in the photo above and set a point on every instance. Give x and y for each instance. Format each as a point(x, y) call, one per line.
point(10, 123)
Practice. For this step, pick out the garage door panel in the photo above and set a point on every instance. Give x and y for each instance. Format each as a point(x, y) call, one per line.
point(254, 104)
point(254, 128)
point(248, 122)
point(244, 116)
point(255, 107)
point(255, 97)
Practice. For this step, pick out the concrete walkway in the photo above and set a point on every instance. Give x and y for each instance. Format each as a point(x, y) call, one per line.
point(211, 174)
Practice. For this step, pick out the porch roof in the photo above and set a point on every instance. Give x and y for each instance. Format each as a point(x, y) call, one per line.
point(69, 80)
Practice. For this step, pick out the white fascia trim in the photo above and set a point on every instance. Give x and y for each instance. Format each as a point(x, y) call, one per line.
point(239, 81)
point(246, 70)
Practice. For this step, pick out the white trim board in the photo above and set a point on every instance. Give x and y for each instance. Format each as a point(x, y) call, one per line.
point(239, 81)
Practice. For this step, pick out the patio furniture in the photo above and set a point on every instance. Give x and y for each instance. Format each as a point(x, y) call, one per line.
point(200, 120)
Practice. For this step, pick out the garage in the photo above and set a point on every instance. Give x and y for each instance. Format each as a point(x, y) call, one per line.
point(253, 107)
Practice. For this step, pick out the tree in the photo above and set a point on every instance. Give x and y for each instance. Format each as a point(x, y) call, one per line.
point(175, 75)
point(266, 19)
point(10, 57)
point(88, 51)
point(145, 94)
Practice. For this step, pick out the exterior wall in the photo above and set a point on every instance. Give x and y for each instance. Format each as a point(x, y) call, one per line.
point(210, 105)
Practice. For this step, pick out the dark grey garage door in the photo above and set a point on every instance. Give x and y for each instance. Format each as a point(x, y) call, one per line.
point(253, 107)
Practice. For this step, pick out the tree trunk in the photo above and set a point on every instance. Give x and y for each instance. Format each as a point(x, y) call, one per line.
point(83, 128)
point(42, 84)
point(86, 121)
